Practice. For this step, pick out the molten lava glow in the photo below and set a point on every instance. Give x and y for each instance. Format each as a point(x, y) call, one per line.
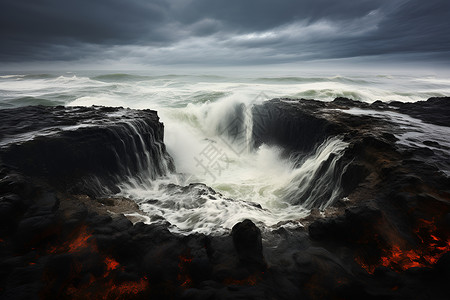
point(115, 291)
point(81, 241)
point(111, 264)
point(402, 259)
point(99, 287)
point(430, 249)
point(107, 289)
point(183, 275)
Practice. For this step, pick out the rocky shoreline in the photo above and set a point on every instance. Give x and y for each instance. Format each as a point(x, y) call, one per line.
point(62, 237)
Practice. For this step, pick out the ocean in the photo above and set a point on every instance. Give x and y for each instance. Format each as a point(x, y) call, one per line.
point(197, 110)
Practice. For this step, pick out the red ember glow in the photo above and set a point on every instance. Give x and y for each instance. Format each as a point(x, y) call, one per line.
point(431, 247)
point(104, 286)
point(115, 291)
point(81, 241)
point(111, 264)
point(107, 289)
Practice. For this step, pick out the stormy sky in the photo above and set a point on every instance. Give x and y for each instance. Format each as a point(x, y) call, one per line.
point(218, 32)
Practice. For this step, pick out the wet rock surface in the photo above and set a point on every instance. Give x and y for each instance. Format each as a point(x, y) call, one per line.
point(248, 244)
point(83, 150)
point(388, 237)
point(295, 125)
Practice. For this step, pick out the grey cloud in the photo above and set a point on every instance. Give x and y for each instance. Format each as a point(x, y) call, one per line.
point(256, 15)
point(214, 31)
point(28, 27)
point(205, 27)
point(93, 21)
point(414, 27)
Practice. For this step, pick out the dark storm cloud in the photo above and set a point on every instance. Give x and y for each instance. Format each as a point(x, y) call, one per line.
point(415, 26)
point(29, 27)
point(215, 31)
point(93, 21)
point(265, 14)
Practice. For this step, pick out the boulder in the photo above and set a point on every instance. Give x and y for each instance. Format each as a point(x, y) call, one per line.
point(248, 244)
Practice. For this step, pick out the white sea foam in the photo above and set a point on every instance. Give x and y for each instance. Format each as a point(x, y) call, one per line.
point(11, 76)
point(101, 99)
point(198, 111)
point(262, 177)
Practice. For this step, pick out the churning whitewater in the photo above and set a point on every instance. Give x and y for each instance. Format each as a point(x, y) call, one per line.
point(221, 177)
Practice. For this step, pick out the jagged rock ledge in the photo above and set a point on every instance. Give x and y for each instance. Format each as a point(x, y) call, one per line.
point(85, 150)
point(54, 247)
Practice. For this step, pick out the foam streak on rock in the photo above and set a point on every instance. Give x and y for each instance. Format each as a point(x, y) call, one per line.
point(85, 150)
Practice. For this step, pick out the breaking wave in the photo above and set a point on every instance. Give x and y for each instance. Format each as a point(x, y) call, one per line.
point(204, 113)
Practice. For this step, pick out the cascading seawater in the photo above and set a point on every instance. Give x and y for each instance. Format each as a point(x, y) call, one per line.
point(260, 183)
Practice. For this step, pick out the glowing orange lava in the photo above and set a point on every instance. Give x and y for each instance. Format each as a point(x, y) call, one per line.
point(108, 289)
point(111, 264)
point(81, 241)
point(398, 258)
point(127, 288)
point(105, 286)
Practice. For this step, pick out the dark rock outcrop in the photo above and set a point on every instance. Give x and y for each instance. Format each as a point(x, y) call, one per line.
point(248, 244)
point(388, 239)
point(83, 150)
point(435, 110)
point(294, 125)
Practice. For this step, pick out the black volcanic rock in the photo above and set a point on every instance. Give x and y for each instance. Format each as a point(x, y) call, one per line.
point(84, 150)
point(248, 244)
point(435, 110)
point(301, 126)
point(352, 177)
point(349, 228)
point(294, 125)
point(54, 245)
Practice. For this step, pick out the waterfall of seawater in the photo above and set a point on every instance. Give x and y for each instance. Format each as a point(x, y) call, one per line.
point(261, 184)
point(207, 130)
